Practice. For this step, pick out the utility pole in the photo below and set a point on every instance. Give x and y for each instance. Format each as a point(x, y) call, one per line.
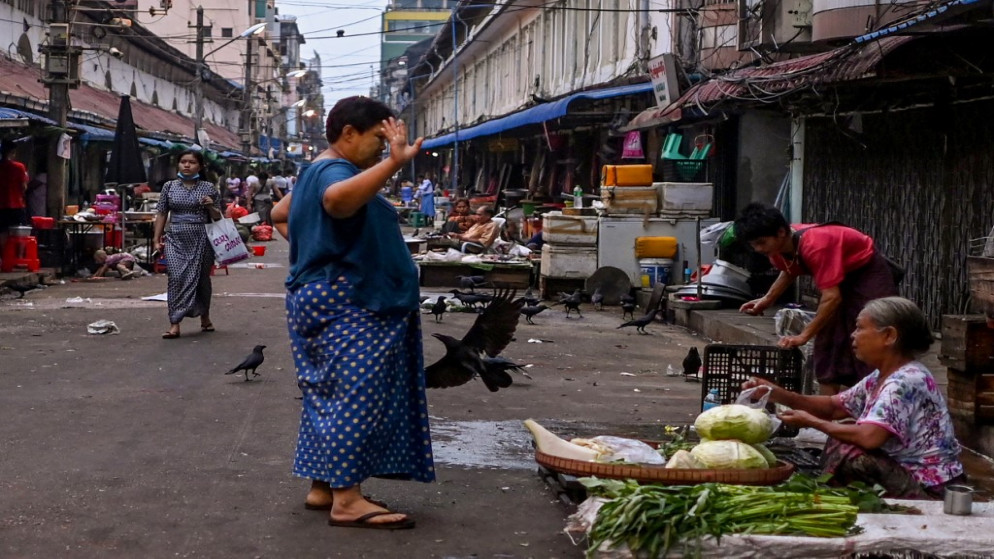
point(455, 103)
point(247, 101)
point(61, 73)
point(198, 97)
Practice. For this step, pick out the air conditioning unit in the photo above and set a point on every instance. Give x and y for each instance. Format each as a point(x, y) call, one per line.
point(778, 25)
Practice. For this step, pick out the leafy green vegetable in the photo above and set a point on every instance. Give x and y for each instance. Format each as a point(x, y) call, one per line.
point(723, 455)
point(655, 519)
point(771, 459)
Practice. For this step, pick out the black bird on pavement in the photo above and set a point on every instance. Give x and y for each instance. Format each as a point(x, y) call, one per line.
point(597, 299)
point(250, 363)
point(691, 364)
point(489, 335)
point(629, 309)
point(470, 299)
point(438, 309)
point(531, 311)
point(470, 282)
point(571, 302)
point(640, 323)
point(529, 298)
point(21, 288)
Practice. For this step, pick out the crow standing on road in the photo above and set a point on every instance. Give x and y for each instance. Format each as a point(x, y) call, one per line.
point(597, 299)
point(531, 311)
point(470, 299)
point(489, 335)
point(250, 363)
point(627, 306)
point(438, 309)
point(571, 302)
point(691, 363)
point(529, 298)
point(640, 323)
point(470, 282)
point(22, 288)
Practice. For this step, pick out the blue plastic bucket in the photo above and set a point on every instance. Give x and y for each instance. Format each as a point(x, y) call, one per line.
point(655, 270)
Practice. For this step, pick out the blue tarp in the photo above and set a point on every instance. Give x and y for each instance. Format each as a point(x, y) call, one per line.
point(92, 133)
point(157, 143)
point(13, 114)
point(534, 115)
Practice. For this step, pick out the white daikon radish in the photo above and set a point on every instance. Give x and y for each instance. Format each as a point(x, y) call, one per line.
point(552, 445)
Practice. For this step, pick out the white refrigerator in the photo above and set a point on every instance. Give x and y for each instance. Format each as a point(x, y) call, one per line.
point(616, 242)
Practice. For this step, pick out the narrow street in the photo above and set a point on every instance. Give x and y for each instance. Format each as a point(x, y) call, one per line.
point(129, 445)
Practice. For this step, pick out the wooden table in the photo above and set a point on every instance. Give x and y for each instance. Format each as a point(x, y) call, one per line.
point(501, 274)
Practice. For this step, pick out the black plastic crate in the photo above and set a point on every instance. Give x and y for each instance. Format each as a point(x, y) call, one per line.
point(685, 170)
point(727, 367)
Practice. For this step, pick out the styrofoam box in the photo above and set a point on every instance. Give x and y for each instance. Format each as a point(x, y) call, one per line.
point(562, 229)
point(630, 200)
point(685, 196)
point(561, 261)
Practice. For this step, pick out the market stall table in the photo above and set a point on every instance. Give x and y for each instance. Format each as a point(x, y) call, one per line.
point(445, 274)
point(77, 231)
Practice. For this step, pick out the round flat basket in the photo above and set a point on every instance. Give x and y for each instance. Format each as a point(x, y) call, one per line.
point(666, 476)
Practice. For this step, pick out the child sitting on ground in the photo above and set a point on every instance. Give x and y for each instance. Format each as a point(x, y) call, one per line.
point(123, 262)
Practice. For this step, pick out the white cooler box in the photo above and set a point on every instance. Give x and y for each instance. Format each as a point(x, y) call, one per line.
point(560, 229)
point(560, 261)
point(685, 197)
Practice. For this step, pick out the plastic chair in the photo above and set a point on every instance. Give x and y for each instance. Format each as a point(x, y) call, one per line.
point(671, 147)
point(21, 252)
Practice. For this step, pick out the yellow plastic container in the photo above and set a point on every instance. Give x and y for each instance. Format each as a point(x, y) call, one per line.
point(655, 247)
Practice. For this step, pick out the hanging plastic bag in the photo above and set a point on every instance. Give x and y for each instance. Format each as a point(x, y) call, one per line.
point(711, 234)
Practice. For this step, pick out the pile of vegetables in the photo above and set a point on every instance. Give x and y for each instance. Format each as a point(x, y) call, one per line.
point(731, 437)
point(655, 519)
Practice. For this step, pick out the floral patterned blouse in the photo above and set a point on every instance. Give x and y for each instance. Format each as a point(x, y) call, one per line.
point(909, 405)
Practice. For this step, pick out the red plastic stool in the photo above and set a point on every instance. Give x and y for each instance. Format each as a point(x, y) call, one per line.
point(21, 251)
point(215, 268)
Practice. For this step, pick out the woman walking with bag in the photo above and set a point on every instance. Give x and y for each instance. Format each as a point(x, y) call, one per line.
point(189, 202)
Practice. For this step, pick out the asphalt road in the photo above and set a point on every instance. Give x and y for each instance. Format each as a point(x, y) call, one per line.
point(129, 445)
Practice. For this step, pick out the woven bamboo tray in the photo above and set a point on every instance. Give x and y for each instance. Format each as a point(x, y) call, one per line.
point(665, 476)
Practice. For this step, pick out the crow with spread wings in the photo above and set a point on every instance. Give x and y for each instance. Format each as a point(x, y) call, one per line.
point(490, 334)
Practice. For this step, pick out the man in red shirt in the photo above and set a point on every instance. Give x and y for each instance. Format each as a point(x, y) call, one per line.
point(846, 269)
point(13, 184)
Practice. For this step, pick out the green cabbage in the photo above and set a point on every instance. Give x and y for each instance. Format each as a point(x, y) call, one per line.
point(734, 421)
point(728, 454)
point(771, 458)
point(685, 460)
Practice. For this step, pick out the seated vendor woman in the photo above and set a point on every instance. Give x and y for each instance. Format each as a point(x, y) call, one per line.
point(122, 262)
point(902, 437)
point(461, 219)
point(481, 235)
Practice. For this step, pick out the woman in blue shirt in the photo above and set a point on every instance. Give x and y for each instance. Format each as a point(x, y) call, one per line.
point(352, 315)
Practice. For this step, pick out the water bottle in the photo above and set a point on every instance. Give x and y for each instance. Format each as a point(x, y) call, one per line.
point(686, 272)
point(711, 400)
point(577, 197)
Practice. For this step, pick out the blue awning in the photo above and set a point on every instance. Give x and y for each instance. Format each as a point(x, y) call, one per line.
point(7, 113)
point(93, 133)
point(534, 115)
point(154, 142)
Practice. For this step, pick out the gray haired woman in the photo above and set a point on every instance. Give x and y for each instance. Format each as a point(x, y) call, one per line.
point(902, 437)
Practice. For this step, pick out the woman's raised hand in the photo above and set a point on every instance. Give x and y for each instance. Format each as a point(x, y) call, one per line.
point(396, 135)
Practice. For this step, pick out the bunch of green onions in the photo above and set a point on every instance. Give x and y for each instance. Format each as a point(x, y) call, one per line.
point(653, 519)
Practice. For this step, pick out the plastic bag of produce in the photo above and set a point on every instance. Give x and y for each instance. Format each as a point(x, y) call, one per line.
point(728, 454)
point(735, 421)
point(614, 449)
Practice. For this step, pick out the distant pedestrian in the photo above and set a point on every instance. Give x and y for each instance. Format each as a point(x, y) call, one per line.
point(13, 184)
point(261, 196)
point(37, 195)
point(426, 194)
point(188, 202)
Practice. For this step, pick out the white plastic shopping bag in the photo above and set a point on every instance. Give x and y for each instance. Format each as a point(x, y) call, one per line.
point(226, 242)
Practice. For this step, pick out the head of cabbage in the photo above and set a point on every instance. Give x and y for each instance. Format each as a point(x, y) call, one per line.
point(734, 421)
point(724, 455)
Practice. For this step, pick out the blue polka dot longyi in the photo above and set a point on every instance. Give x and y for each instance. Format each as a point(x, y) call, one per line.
point(365, 413)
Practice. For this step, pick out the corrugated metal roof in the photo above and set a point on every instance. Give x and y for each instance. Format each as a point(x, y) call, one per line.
point(766, 84)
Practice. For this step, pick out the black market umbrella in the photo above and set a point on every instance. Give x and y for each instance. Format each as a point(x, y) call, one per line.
point(125, 166)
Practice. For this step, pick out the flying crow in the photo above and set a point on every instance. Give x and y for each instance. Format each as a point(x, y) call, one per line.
point(489, 335)
point(250, 363)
